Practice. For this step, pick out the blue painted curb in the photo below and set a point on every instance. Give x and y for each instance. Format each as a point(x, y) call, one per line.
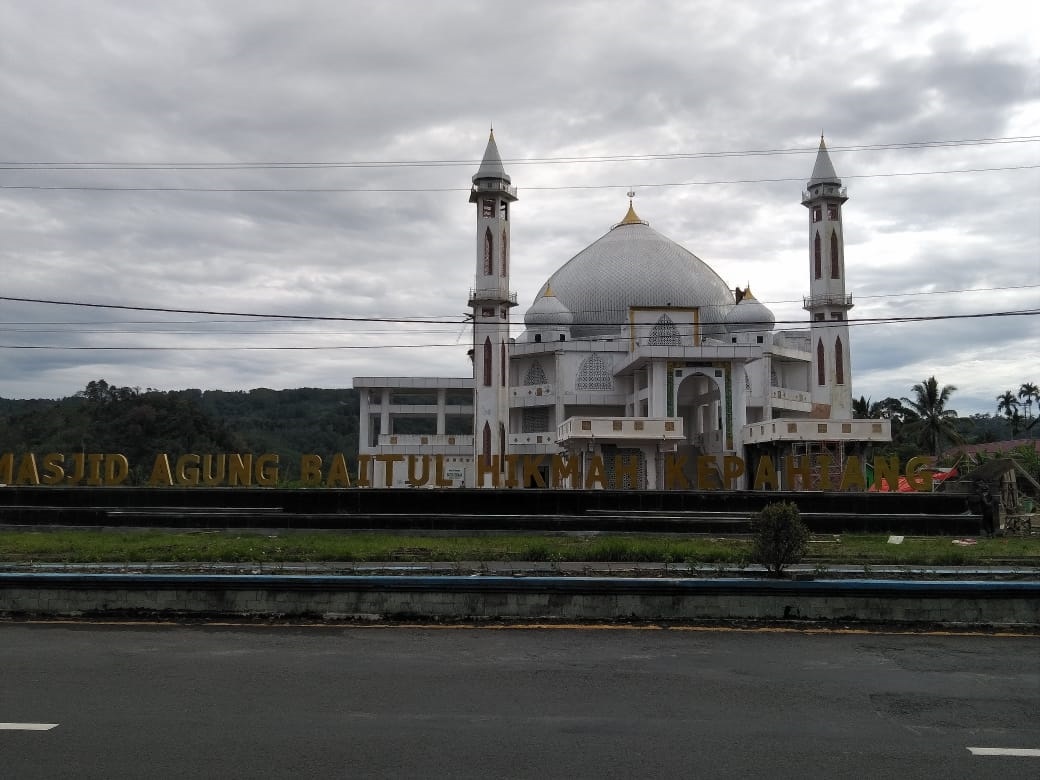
point(922, 589)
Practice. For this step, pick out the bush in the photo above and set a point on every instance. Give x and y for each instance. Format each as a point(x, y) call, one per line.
point(781, 538)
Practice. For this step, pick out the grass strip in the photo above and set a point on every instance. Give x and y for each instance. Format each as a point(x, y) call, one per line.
point(228, 547)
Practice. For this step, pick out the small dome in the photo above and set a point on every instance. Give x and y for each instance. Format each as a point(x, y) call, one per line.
point(548, 311)
point(749, 315)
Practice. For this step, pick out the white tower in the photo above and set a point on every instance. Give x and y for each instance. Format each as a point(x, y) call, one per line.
point(491, 301)
point(827, 303)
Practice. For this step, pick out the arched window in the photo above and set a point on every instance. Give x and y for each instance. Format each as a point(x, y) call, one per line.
point(817, 257)
point(505, 254)
point(489, 259)
point(487, 362)
point(502, 352)
point(834, 254)
point(593, 375)
point(821, 366)
point(839, 362)
point(664, 333)
point(535, 375)
point(487, 442)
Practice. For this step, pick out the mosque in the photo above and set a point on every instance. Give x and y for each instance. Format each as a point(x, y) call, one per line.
point(639, 368)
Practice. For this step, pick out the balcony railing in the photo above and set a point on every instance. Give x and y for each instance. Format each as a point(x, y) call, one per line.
point(785, 394)
point(827, 190)
point(542, 439)
point(620, 428)
point(424, 440)
point(805, 429)
point(491, 295)
point(531, 391)
point(813, 301)
point(493, 185)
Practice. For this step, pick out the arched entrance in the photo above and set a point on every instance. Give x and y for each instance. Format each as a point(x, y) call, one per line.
point(700, 401)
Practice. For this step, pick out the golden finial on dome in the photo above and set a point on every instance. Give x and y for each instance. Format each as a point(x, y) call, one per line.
point(747, 294)
point(631, 218)
point(548, 292)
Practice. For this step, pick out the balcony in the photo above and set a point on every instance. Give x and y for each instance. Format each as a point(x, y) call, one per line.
point(804, 429)
point(620, 428)
point(532, 395)
point(785, 398)
point(413, 441)
point(834, 301)
point(491, 295)
point(492, 185)
point(826, 190)
point(539, 443)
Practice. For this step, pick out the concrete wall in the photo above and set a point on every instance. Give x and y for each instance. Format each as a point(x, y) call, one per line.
point(512, 598)
point(824, 512)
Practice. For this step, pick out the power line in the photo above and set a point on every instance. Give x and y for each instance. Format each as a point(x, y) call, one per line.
point(561, 187)
point(259, 316)
point(803, 325)
point(564, 160)
point(926, 292)
point(420, 320)
point(221, 349)
point(463, 318)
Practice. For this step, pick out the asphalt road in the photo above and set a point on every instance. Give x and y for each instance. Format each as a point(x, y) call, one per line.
point(280, 701)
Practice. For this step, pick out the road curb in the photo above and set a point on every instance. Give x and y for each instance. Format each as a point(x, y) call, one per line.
point(447, 597)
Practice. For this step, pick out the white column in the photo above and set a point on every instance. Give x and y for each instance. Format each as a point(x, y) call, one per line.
point(384, 412)
point(363, 422)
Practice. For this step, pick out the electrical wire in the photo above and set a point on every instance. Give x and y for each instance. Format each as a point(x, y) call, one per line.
point(453, 322)
point(543, 188)
point(802, 325)
point(319, 165)
point(11, 325)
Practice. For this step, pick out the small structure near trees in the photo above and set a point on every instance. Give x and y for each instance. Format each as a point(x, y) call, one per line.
point(1002, 492)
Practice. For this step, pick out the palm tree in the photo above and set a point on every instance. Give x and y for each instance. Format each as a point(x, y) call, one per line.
point(862, 409)
point(934, 422)
point(1008, 404)
point(1028, 393)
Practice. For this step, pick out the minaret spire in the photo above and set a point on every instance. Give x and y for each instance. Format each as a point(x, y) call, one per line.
point(827, 303)
point(823, 171)
point(491, 165)
point(491, 301)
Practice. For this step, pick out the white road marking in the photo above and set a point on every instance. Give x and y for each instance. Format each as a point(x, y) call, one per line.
point(981, 751)
point(27, 726)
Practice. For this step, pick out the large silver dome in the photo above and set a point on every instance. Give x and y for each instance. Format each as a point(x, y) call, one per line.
point(634, 265)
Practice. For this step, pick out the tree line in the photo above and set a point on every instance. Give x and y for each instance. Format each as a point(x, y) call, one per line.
point(140, 424)
point(924, 421)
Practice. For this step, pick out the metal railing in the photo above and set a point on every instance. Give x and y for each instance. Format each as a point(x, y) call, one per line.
point(812, 301)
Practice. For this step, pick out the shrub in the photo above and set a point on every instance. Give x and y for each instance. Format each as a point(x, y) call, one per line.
point(780, 537)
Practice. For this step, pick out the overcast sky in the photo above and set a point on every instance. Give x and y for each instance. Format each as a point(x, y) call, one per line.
point(141, 145)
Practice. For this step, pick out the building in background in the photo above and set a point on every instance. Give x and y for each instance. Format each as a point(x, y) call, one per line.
point(639, 367)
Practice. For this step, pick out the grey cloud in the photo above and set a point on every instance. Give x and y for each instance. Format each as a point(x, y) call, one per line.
point(341, 81)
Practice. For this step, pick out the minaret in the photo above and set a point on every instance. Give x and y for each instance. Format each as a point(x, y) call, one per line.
point(491, 301)
point(827, 303)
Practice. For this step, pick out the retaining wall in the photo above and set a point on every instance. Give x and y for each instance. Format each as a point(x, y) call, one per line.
point(662, 511)
point(519, 598)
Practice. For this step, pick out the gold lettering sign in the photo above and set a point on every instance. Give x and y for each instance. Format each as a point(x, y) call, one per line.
point(588, 471)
